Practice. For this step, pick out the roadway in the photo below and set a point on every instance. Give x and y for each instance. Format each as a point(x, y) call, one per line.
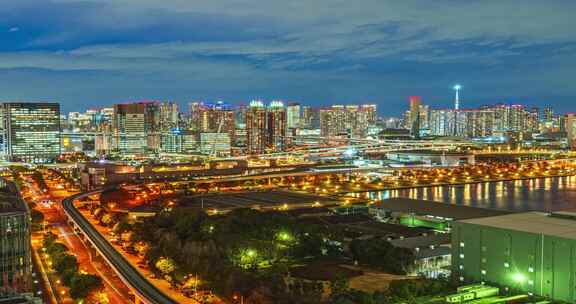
point(142, 288)
point(113, 288)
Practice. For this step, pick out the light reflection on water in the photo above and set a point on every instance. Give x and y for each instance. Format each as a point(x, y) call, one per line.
point(543, 194)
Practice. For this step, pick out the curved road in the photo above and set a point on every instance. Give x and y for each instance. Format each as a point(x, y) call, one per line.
point(143, 289)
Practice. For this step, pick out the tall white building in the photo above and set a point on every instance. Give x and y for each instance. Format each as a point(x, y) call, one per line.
point(293, 115)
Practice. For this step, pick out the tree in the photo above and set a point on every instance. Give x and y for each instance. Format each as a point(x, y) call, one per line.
point(56, 248)
point(121, 227)
point(165, 265)
point(64, 262)
point(82, 285)
point(381, 254)
point(49, 239)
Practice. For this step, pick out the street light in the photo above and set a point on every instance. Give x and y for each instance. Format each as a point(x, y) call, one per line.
point(519, 278)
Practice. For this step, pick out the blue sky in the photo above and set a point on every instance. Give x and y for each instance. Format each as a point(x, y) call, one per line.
point(94, 53)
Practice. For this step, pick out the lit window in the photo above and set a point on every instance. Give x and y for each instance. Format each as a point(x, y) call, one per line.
point(461, 244)
point(461, 279)
point(461, 267)
point(530, 282)
point(483, 272)
point(461, 255)
point(530, 269)
point(507, 265)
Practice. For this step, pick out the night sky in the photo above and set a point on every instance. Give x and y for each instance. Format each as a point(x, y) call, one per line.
point(93, 53)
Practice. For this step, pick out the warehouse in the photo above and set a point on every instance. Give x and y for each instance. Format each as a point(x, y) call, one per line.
point(534, 252)
point(427, 214)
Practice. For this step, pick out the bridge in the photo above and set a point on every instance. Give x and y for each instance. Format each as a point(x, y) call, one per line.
point(144, 291)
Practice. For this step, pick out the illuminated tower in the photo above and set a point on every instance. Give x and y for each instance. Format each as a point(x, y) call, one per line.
point(457, 88)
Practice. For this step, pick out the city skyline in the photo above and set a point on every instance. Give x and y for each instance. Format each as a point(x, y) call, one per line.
point(86, 54)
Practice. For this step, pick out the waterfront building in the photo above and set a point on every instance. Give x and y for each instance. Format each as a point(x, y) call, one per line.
point(30, 131)
point(532, 252)
point(15, 251)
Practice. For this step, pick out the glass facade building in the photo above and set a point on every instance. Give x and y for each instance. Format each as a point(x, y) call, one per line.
point(31, 131)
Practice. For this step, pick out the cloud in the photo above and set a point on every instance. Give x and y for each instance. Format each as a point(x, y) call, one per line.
point(13, 29)
point(314, 49)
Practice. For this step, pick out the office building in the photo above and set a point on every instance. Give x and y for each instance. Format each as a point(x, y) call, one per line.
point(15, 251)
point(532, 252)
point(129, 127)
point(31, 131)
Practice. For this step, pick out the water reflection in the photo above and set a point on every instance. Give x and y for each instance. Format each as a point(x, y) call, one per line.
point(543, 194)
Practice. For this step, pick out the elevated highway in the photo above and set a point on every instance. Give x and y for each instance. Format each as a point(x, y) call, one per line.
point(144, 291)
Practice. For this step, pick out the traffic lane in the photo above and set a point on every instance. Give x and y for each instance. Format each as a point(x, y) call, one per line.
point(124, 268)
point(112, 286)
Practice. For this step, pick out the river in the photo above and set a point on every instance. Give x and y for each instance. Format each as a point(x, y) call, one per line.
point(541, 194)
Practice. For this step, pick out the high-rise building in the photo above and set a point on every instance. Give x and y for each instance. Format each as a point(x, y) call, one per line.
point(518, 118)
point(414, 115)
point(256, 128)
point(424, 117)
point(351, 121)
point(533, 120)
point(136, 126)
point(194, 109)
point(217, 118)
point(31, 131)
point(307, 116)
point(276, 126)
point(265, 127)
point(293, 115)
point(15, 251)
point(479, 123)
point(168, 119)
point(548, 113)
point(570, 128)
